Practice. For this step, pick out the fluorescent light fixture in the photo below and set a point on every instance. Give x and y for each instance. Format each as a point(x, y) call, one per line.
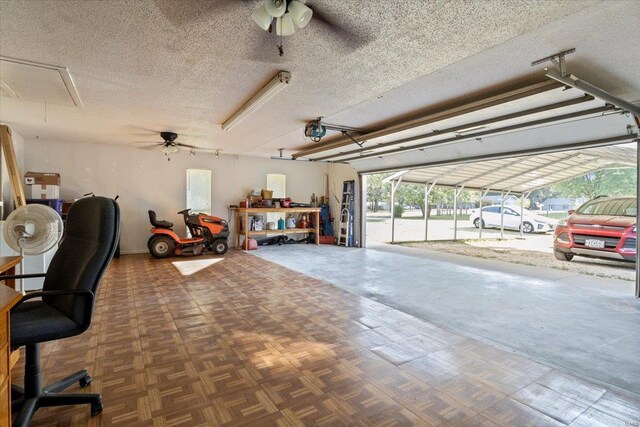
point(279, 82)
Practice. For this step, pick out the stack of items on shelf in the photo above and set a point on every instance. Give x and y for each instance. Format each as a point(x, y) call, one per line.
point(45, 189)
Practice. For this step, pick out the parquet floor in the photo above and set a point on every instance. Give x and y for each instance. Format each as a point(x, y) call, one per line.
point(243, 341)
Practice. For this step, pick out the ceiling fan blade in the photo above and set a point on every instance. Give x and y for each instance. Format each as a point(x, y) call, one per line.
point(151, 147)
point(352, 38)
point(179, 144)
point(183, 12)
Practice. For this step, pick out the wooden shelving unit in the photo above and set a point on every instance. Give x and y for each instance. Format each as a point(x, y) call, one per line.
point(243, 219)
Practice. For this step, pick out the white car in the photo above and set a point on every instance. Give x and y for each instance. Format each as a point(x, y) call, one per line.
point(531, 222)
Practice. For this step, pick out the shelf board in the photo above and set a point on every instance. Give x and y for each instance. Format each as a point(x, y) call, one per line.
point(287, 231)
point(267, 210)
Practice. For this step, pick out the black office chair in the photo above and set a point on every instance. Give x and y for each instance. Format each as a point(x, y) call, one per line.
point(66, 307)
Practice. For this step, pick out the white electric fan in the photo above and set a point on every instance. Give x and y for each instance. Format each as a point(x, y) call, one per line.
point(32, 230)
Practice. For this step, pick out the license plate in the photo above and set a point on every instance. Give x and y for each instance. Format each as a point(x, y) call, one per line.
point(593, 243)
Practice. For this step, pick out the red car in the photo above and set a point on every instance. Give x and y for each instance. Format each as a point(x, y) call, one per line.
point(604, 227)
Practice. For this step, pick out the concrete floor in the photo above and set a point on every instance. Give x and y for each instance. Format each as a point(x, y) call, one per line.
point(582, 324)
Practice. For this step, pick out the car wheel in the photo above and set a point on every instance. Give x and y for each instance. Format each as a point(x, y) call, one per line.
point(527, 227)
point(162, 247)
point(561, 256)
point(476, 222)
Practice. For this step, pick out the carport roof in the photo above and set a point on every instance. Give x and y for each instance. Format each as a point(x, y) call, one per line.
point(522, 174)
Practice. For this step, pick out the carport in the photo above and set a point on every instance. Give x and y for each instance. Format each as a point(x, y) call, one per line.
point(513, 176)
point(517, 140)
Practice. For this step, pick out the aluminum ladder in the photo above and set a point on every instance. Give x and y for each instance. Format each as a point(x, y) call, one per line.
point(345, 229)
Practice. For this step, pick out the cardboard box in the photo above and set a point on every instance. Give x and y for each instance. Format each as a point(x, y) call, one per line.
point(42, 178)
point(45, 191)
point(44, 185)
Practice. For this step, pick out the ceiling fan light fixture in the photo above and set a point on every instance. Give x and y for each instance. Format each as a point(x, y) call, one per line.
point(276, 8)
point(170, 149)
point(300, 13)
point(284, 25)
point(262, 17)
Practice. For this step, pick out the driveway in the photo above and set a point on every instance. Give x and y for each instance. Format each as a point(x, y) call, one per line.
point(411, 229)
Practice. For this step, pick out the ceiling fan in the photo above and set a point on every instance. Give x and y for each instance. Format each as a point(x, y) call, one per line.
point(290, 15)
point(283, 16)
point(169, 146)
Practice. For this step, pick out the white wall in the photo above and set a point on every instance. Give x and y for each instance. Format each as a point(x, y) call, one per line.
point(7, 195)
point(146, 180)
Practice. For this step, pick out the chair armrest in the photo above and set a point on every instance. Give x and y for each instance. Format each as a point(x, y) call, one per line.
point(22, 276)
point(81, 292)
point(87, 295)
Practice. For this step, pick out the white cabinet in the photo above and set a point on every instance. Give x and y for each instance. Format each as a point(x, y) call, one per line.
point(32, 264)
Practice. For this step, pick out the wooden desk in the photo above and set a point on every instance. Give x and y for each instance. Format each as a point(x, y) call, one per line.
point(8, 267)
point(8, 299)
point(243, 219)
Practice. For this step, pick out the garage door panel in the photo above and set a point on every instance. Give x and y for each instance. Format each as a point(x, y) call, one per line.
point(563, 134)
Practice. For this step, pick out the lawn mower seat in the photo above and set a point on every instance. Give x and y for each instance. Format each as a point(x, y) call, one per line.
point(158, 223)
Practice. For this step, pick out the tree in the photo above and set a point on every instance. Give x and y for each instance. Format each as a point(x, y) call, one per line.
point(609, 182)
point(410, 194)
point(377, 192)
point(538, 196)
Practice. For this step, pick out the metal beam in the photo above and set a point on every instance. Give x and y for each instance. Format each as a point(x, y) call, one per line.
point(569, 177)
point(394, 187)
point(362, 182)
point(395, 176)
point(618, 159)
point(480, 175)
point(526, 171)
point(427, 191)
point(563, 159)
point(637, 120)
point(540, 87)
point(521, 215)
point(517, 153)
point(501, 215)
point(587, 87)
point(481, 224)
point(456, 194)
point(454, 129)
point(487, 133)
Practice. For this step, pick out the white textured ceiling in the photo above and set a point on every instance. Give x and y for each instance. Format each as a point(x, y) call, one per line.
point(185, 66)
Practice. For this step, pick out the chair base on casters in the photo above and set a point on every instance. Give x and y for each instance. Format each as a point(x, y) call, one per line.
point(28, 399)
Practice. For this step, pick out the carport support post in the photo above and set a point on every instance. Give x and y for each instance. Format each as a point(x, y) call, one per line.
point(456, 193)
point(427, 191)
point(394, 187)
point(482, 195)
point(637, 209)
point(501, 215)
point(426, 211)
point(521, 215)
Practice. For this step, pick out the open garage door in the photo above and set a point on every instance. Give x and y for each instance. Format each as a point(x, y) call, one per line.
point(515, 141)
point(543, 117)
